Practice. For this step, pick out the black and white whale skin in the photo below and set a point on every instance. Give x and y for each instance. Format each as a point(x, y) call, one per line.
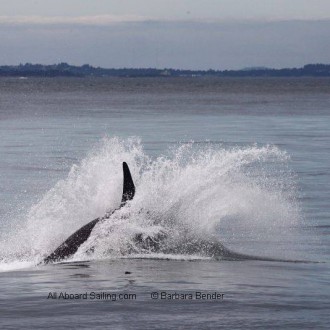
point(72, 244)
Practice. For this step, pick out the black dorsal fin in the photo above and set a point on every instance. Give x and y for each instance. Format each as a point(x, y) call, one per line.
point(128, 186)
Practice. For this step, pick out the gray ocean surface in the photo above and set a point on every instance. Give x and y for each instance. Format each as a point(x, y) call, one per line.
point(244, 161)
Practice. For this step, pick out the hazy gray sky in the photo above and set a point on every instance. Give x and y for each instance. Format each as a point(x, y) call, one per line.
point(175, 9)
point(219, 34)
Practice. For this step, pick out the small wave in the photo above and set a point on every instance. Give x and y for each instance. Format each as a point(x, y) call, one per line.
point(6, 266)
point(163, 256)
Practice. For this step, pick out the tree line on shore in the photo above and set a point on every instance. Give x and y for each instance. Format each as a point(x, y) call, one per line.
point(66, 70)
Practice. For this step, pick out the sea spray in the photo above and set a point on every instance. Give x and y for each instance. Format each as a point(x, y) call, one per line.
point(195, 191)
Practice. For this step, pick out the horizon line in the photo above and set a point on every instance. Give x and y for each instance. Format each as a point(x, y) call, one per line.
point(108, 20)
point(246, 68)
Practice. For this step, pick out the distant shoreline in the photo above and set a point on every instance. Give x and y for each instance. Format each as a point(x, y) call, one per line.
point(66, 70)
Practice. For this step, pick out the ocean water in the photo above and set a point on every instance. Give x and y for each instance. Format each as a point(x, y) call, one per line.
point(241, 161)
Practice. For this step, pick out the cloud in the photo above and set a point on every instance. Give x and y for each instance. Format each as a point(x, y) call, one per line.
point(177, 44)
point(108, 20)
point(99, 20)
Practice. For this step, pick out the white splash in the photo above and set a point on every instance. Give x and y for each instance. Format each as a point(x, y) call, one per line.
point(193, 192)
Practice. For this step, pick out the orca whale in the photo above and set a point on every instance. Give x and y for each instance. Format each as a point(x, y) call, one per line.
point(71, 245)
point(151, 244)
